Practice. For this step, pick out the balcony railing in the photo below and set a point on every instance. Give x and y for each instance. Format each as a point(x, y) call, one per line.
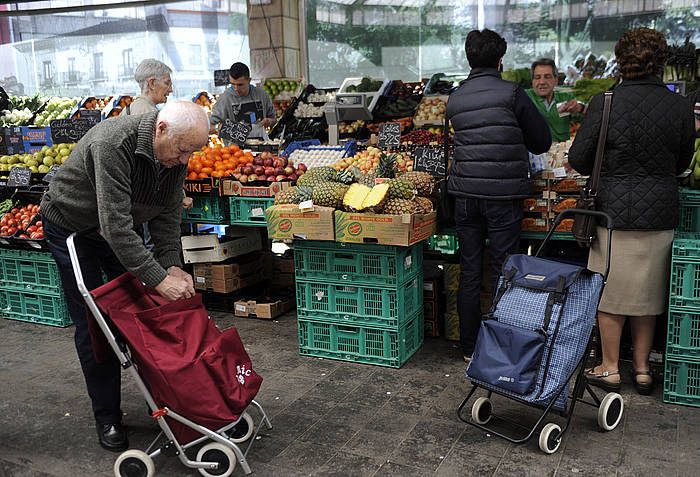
point(71, 77)
point(126, 71)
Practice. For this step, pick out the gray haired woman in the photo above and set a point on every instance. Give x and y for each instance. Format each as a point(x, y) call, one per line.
point(153, 77)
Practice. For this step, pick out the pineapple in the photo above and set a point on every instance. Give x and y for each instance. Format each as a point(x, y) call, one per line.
point(329, 194)
point(425, 205)
point(316, 175)
point(367, 179)
point(345, 177)
point(423, 181)
point(304, 193)
point(355, 197)
point(288, 196)
point(376, 197)
point(399, 207)
point(387, 166)
point(401, 189)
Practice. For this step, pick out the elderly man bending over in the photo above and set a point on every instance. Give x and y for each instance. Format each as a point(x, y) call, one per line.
point(123, 173)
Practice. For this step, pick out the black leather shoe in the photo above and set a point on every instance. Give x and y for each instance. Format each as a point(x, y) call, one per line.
point(112, 437)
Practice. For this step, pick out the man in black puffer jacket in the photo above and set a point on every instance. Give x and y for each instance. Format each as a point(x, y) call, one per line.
point(495, 124)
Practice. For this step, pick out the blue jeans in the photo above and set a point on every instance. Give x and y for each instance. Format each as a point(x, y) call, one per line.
point(475, 221)
point(103, 379)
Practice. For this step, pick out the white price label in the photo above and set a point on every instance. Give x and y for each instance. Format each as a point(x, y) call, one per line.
point(559, 172)
point(201, 280)
point(408, 261)
point(241, 308)
point(257, 212)
point(320, 295)
point(306, 205)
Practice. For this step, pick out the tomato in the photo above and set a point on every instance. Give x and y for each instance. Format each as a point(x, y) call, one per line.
point(11, 230)
point(37, 235)
point(31, 229)
point(39, 223)
point(23, 236)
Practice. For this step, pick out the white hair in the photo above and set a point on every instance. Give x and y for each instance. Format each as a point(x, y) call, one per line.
point(184, 118)
point(150, 68)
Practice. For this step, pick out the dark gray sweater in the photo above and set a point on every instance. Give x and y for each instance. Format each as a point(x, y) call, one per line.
point(113, 181)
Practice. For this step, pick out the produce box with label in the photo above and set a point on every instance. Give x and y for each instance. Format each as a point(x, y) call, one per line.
point(289, 221)
point(263, 307)
point(211, 248)
point(384, 229)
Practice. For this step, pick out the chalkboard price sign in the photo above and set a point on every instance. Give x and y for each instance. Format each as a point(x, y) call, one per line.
point(235, 132)
point(92, 115)
point(49, 175)
point(221, 77)
point(19, 177)
point(70, 130)
point(390, 135)
point(429, 159)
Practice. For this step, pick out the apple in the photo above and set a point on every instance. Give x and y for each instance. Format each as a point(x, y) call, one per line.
point(259, 170)
point(292, 177)
point(258, 161)
point(248, 170)
point(269, 171)
point(301, 166)
point(280, 178)
point(243, 178)
point(270, 178)
point(298, 172)
point(267, 162)
point(279, 171)
point(252, 178)
point(289, 170)
point(279, 162)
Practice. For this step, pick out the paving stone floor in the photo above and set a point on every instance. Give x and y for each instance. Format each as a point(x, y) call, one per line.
point(330, 418)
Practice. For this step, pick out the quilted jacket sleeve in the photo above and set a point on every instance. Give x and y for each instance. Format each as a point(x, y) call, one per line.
point(582, 151)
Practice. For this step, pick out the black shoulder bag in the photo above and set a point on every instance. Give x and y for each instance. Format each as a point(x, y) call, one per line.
point(584, 228)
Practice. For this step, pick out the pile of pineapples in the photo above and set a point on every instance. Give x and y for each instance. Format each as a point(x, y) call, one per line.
point(352, 190)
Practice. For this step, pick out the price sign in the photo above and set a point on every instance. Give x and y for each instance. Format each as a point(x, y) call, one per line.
point(70, 130)
point(389, 135)
point(221, 77)
point(49, 175)
point(235, 132)
point(19, 177)
point(92, 115)
point(429, 159)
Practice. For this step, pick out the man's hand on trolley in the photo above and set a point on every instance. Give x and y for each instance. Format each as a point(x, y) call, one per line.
point(175, 287)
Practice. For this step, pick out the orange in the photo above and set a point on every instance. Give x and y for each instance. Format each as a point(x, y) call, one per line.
point(202, 175)
point(192, 176)
point(206, 170)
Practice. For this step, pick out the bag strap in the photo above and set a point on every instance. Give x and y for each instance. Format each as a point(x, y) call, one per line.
point(446, 146)
point(602, 137)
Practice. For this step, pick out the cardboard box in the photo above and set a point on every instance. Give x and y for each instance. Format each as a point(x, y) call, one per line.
point(261, 309)
point(219, 277)
point(287, 222)
point(402, 230)
point(230, 187)
point(431, 326)
point(210, 248)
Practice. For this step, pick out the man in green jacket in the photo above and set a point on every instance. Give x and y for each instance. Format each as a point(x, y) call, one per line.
point(556, 106)
point(123, 173)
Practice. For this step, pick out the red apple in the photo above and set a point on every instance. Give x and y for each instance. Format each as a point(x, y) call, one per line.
point(269, 171)
point(292, 177)
point(248, 170)
point(270, 178)
point(280, 178)
point(258, 161)
point(279, 171)
point(301, 166)
point(243, 178)
point(278, 162)
point(298, 172)
point(289, 170)
point(267, 162)
point(259, 170)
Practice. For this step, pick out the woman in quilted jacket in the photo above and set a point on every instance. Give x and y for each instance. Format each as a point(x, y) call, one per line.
point(649, 141)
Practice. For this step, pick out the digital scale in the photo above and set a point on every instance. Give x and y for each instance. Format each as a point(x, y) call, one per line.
point(348, 107)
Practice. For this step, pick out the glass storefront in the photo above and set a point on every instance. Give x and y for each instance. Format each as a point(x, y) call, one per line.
point(413, 39)
point(84, 51)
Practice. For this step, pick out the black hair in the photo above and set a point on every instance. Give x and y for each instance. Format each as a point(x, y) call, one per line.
point(239, 70)
point(544, 62)
point(484, 48)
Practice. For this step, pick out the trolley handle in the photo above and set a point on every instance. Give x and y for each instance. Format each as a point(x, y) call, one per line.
point(593, 213)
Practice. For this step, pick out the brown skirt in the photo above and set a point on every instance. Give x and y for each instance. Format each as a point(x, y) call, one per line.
point(639, 270)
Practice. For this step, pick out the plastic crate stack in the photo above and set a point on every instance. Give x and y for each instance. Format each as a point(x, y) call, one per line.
point(682, 369)
point(359, 302)
point(30, 288)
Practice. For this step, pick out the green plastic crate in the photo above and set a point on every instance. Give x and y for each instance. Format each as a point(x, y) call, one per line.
point(447, 244)
point(361, 344)
point(206, 209)
point(359, 264)
point(684, 290)
point(25, 270)
point(689, 211)
point(683, 338)
point(682, 382)
point(686, 245)
point(249, 210)
point(358, 304)
point(34, 308)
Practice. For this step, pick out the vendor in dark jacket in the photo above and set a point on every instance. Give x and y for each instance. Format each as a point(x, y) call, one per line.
point(649, 142)
point(495, 125)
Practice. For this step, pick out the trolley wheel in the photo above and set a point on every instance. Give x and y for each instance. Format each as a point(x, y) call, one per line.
point(610, 411)
point(550, 438)
point(242, 431)
point(134, 463)
point(481, 410)
point(219, 453)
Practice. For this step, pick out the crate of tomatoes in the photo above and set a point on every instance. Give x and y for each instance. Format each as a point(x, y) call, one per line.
point(211, 163)
point(21, 227)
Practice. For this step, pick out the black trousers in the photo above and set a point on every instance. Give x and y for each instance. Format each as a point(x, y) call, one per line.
point(103, 379)
point(476, 220)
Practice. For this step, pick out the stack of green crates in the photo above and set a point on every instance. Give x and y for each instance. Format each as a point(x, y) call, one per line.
point(248, 211)
point(30, 288)
point(207, 209)
point(682, 369)
point(359, 302)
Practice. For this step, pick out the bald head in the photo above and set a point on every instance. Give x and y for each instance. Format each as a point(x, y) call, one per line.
point(182, 127)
